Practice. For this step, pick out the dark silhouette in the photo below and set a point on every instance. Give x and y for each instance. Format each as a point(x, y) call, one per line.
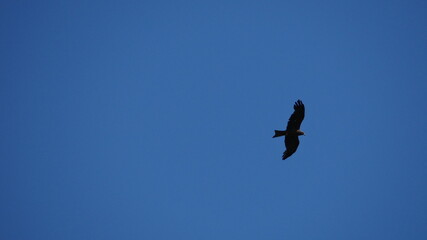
point(292, 130)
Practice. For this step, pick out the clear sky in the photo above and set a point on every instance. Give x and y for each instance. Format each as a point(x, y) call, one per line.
point(153, 119)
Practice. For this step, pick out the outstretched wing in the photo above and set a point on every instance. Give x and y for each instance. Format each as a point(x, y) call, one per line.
point(291, 143)
point(294, 122)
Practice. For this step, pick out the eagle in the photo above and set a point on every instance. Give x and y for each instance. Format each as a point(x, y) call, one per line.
point(292, 130)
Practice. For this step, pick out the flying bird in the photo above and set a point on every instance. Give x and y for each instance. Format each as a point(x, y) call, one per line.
point(292, 130)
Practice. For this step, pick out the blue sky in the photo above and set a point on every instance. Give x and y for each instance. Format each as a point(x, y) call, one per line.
point(153, 119)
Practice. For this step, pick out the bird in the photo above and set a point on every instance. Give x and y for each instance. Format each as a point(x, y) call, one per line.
point(292, 130)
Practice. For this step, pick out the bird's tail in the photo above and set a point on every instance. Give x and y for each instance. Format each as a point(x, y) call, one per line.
point(279, 133)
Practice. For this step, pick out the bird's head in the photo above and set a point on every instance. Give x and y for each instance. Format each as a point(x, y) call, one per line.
point(299, 132)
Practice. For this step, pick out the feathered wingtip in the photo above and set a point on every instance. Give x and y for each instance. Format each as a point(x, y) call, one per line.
point(298, 104)
point(284, 156)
